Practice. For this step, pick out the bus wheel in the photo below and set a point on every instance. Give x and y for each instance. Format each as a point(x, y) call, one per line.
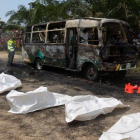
point(39, 64)
point(91, 72)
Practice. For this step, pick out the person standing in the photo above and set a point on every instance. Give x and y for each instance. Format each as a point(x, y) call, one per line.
point(11, 46)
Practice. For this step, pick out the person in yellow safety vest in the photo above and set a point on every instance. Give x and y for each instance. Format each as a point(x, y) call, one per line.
point(11, 46)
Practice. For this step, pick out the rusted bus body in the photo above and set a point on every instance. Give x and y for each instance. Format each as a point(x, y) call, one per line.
point(49, 56)
point(50, 53)
point(78, 43)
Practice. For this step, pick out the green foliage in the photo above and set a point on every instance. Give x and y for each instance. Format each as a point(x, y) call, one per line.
point(51, 10)
point(22, 16)
point(12, 27)
point(75, 9)
point(2, 23)
point(127, 10)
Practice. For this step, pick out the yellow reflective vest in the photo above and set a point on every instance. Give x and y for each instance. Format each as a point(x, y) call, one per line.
point(11, 45)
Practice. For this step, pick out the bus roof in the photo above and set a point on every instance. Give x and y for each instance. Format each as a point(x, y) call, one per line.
point(85, 22)
point(90, 22)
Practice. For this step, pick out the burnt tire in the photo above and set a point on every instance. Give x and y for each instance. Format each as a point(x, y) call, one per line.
point(91, 72)
point(119, 75)
point(39, 64)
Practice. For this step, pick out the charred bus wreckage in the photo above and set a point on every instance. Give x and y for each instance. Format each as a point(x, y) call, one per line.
point(91, 45)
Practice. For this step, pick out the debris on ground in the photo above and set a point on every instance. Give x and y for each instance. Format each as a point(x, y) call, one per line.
point(127, 128)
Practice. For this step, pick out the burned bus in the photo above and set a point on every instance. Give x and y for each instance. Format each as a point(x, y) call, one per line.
point(90, 45)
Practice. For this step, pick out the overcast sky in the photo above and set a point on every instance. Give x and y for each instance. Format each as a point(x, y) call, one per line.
point(7, 5)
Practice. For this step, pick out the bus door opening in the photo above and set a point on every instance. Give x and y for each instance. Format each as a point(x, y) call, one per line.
point(71, 48)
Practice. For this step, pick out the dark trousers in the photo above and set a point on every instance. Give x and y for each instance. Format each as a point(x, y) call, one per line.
point(10, 57)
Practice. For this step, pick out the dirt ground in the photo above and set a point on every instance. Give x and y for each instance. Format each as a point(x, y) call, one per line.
point(50, 124)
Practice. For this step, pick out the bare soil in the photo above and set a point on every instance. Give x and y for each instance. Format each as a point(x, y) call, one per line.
point(50, 124)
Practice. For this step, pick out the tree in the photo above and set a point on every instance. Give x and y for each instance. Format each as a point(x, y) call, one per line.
point(127, 10)
point(51, 10)
point(75, 9)
point(22, 16)
point(2, 23)
point(37, 13)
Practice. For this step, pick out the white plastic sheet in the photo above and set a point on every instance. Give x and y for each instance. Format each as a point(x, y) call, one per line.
point(88, 107)
point(41, 98)
point(8, 82)
point(127, 128)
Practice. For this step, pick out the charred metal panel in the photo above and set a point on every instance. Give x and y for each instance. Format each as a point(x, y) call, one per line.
point(82, 23)
point(87, 53)
point(42, 49)
point(55, 55)
point(25, 56)
point(108, 67)
point(28, 53)
point(119, 54)
point(121, 57)
point(50, 54)
point(72, 23)
point(91, 22)
point(116, 67)
point(105, 20)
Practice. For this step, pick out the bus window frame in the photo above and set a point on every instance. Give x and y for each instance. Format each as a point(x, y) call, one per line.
point(94, 40)
point(44, 31)
point(63, 28)
point(56, 31)
point(27, 33)
point(38, 32)
point(46, 34)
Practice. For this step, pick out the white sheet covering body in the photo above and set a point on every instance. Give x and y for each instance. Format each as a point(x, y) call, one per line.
point(41, 98)
point(8, 82)
point(127, 128)
point(88, 107)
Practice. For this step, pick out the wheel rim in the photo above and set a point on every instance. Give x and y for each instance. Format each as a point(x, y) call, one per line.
point(39, 64)
point(90, 73)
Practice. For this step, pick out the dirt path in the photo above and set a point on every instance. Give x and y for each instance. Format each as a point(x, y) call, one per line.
point(50, 124)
